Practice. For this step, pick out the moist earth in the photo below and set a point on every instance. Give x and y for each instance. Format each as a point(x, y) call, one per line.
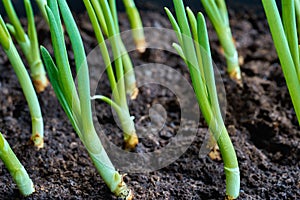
point(259, 115)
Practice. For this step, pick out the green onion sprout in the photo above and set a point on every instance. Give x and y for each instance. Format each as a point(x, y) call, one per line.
point(194, 48)
point(284, 33)
point(130, 81)
point(15, 168)
point(42, 7)
point(28, 43)
point(217, 13)
point(136, 25)
point(297, 7)
point(35, 111)
point(77, 103)
point(116, 79)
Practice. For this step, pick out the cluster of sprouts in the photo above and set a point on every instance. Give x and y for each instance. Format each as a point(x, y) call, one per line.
point(193, 47)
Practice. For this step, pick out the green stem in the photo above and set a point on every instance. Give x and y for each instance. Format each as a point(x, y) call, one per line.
point(129, 78)
point(127, 124)
point(179, 50)
point(131, 141)
point(114, 13)
point(175, 26)
point(61, 57)
point(205, 89)
point(104, 166)
point(42, 7)
point(4, 35)
point(89, 136)
point(12, 15)
point(223, 11)
point(231, 167)
point(119, 96)
point(15, 168)
point(28, 43)
point(194, 29)
point(95, 6)
point(136, 25)
point(26, 84)
point(297, 7)
point(207, 66)
point(126, 120)
point(284, 53)
point(129, 132)
point(30, 95)
point(108, 101)
point(32, 52)
point(230, 52)
point(113, 38)
point(103, 48)
point(219, 19)
point(99, 23)
point(290, 29)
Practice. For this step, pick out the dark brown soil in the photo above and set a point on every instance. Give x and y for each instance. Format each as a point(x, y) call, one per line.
point(260, 117)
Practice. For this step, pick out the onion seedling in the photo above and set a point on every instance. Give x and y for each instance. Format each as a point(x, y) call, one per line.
point(136, 25)
point(130, 81)
point(116, 80)
point(284, 33)
point(297, 7)
point(217, 13)
point(194, 48)
point(28, 43)
point(15, 168)
point(35, 111)
point(42, 7)
point(77, 103)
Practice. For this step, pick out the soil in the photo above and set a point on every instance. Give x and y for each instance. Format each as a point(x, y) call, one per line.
point(259, 116)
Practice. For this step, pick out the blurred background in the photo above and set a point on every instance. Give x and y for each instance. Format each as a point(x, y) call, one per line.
point(157, 5)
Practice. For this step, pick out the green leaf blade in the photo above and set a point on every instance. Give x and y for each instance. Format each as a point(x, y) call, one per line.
point(283, 51)
point(54, 79)
point(290, 28)
point(175, 26)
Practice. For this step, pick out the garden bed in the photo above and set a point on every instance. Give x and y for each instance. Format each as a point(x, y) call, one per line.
point(260, 119)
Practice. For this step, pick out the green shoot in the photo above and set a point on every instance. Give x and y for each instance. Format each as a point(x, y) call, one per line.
point(136, 25)
point(15, 168)
point(297, 7)
point(284, 33)
point(28, 43)
point(217, 13)
point(194, 48)
point(116, 79)
point(130, 81)
point(42, 7)
point(76, 102)
point(26, 84)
